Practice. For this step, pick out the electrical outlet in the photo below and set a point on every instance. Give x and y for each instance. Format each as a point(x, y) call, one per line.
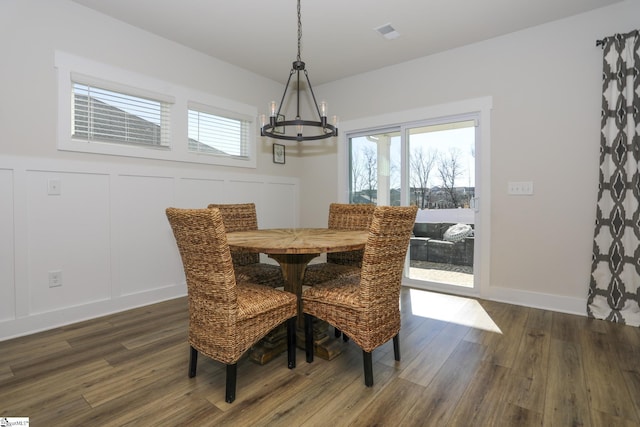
point(55, 278)
point(54, 187)
point(520, 188)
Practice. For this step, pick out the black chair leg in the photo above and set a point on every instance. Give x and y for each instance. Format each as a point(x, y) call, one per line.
point(368, 368)
point(308, 337)
point(193, 361)
point(230, 395)
point(396, 347)
point(336, 332)
point(291, 342)
point(345, 337)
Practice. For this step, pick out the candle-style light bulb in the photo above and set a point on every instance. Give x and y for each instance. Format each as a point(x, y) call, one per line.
point(323, 108)
point(263, 120)
point(273, 108)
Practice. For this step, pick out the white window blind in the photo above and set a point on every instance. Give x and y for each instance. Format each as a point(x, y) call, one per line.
point(104, 115)
point(218, 133)
point(108, 110)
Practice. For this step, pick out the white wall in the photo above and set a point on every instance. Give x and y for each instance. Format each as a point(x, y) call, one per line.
point(546, 88)
point(107, 231)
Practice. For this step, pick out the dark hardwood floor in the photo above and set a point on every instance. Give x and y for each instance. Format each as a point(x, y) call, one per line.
point(464, 363)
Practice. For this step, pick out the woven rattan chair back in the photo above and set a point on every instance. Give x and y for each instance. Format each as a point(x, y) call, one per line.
point(225, 317)
point(381, 276)
point(239, 217)
point(349, 217)
point(211, 286)
point(366, 308)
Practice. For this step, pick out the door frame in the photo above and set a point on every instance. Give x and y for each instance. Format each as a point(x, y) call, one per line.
point(482, 108)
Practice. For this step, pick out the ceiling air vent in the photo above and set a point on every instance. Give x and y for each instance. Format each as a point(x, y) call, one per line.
point(387, 31)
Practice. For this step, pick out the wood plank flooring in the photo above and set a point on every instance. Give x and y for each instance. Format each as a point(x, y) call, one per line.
point(465, 362)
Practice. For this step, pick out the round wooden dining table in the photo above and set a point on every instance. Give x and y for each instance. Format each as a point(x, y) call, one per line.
point(293, 249)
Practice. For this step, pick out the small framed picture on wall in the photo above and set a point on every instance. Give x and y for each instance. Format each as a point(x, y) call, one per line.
point(278, 153)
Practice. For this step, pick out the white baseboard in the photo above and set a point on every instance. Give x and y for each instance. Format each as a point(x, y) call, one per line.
point(559, 303)
point(41, 322)
point(552, 302)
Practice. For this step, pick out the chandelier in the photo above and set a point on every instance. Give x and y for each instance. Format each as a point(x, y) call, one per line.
point(298, 129)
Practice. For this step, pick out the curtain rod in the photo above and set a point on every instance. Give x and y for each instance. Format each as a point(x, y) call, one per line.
point(634, 33)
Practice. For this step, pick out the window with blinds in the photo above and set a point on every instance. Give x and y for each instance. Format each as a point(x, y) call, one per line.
point(107, 110)
point(218, 133)
point(103, 115)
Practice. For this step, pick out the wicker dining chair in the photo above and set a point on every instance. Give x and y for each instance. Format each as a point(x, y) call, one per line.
point(225, 317)
point(366, 307)
point(341, 264)
point(247, 265)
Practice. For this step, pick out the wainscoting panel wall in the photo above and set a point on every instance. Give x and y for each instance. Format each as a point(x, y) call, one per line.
point(198, 193)
point(7, 294)
point(244, 191)
point(79, 240)
point(143, 235)
point(67, 233)
point(272, 215)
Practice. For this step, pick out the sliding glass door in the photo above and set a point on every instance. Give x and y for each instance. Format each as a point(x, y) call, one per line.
point(431, 164)
point(441, 170)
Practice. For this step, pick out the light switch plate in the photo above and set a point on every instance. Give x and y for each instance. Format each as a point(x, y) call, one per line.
point(520, 188)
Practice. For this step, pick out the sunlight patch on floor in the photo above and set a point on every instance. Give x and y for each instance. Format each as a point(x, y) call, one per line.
point(451, 308)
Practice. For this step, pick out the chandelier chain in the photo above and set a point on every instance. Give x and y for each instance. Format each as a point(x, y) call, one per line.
point(299, 30)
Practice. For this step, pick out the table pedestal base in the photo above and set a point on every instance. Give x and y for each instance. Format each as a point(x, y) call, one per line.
point(272, 345)
point(325, 346)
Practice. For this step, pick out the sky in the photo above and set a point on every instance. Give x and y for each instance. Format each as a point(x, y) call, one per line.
point(461, 139)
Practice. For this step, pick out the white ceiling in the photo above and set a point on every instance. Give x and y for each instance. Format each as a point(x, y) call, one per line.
point(338, 37)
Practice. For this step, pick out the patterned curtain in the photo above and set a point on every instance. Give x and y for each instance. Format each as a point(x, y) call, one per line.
point(614, 290)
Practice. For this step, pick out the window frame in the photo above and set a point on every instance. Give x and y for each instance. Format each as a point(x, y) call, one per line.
point(164, 102)
point(114, 78)
point(246, 125)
